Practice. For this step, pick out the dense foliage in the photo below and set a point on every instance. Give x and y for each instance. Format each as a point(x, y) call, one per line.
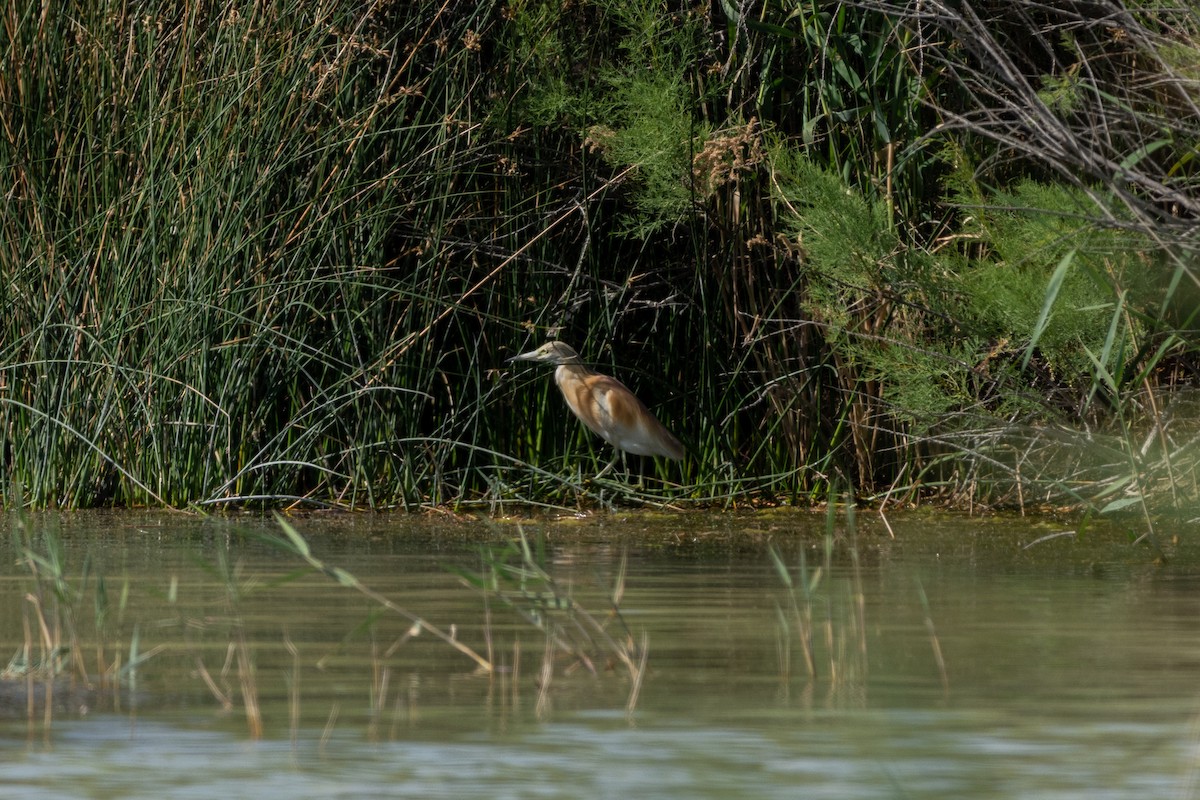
point(261, 253)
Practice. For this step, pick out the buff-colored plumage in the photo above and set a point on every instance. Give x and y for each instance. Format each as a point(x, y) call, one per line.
point(605, 405)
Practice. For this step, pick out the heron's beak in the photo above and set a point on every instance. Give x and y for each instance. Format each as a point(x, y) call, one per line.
point(530, 356)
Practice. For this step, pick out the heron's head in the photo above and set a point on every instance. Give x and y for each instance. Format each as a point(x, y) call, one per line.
point(550, 353)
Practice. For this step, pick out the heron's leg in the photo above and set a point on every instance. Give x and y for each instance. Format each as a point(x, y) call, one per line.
point(611, 464)
point(641, 478)
point(625, 467)
point(623, 457)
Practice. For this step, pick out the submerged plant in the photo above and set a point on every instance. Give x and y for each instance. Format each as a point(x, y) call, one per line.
point(515, 575)
point(69, 658)
point(831, 623)
point(296, 544)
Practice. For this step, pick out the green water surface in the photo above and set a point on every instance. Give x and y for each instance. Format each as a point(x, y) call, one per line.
point(949, 661)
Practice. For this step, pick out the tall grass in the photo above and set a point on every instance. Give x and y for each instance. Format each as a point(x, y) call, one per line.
point(226, 230)
point(279, 255)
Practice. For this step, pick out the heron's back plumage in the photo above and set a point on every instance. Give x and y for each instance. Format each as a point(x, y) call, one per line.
point(615, 414)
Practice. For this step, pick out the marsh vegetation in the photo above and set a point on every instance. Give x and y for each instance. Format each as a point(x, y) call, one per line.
point(277, 254)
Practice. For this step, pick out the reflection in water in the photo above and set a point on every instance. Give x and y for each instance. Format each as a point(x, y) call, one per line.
point(1069, 669)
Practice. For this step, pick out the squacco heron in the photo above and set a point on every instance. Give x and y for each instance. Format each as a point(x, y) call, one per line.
point(605, 405)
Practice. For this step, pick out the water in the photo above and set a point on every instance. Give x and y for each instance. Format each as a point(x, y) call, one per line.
point(1068, 669)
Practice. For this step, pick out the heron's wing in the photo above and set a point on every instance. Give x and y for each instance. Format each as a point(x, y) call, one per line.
point(624, 421)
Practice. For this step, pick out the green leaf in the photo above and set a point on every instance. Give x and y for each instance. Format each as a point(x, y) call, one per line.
point(297, 540)
point(1052, 289)
point(1118, 504)
point(759, 26)
point(344, 578)
point(1142, 152)
point(1102, 372)
point(780, 567)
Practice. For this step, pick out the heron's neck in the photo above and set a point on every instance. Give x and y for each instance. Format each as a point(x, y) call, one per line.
point(571, 370)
